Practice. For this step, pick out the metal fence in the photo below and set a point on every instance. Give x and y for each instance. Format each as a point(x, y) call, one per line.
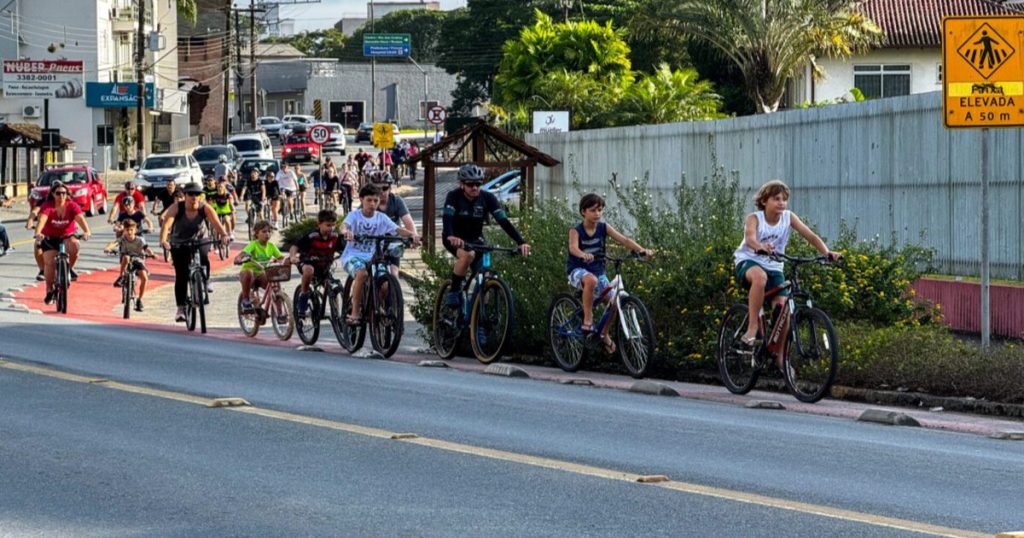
point(887, 166)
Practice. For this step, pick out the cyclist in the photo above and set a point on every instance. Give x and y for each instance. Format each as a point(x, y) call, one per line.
point(258, 250)
point(465, 211)
point(57, 224)
point(349, 180)
point(301, 180)
point(288, 185)
point(394, 207)
point(330, 184)
point(273, 195)
point(585, 271)
point(253, 189)
point(129, 213)
point(768, 230)
point(119, 201)
point(128, 245)
point(321, 244)
point(209, 187)
point(165, 197)
point(366, 221)
point(184, 222)
point(223, 203)
point(222, 168)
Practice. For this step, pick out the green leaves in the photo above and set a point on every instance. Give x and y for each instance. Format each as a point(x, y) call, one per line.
point(188, 10)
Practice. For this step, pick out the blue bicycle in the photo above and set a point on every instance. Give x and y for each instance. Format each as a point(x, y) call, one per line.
point(485, 307)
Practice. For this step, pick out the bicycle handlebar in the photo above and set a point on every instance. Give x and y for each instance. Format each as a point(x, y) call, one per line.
point(779, 256)
point(194, 243)
point(482, 247)
point(633, 255)
point(383, 238)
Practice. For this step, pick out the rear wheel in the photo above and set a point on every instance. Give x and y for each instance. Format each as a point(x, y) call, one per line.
point(565, 319)
point(307, 323)
point(352, 336)
point(388, 316)
point(635, 336)
point(61, 288)
point(127, 292)
point(447, 324)
point(735, 365)
point(812, 357)
point(281, 316)
point(491, 320)
point(249, 320)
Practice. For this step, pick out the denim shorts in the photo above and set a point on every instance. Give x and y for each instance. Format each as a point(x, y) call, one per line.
point(353, 265)
point(576, 280)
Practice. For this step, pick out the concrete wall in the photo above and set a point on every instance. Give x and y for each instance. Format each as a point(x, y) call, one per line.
point(887, 165)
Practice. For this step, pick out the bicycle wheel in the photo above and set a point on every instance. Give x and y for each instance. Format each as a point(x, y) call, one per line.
point(127, 289)
point(635, 336)
point(281, 316)
point(63, 281)
point(251, 221)
point(491, 320)
point(565, 319)
point(220, 252)
point(447, 324)
point(812, 357)
point(735, 365)
point(388, 317)
point(308, 324)
point(249, 321)
point(195, 299)
point(352, 336)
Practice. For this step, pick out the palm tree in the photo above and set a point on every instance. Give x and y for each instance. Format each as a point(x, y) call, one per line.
point(668, 96)
point(769, 40)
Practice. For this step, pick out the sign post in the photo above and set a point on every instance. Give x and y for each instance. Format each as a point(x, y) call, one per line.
point(436, 115)
point(983, 87)
point(319, 134)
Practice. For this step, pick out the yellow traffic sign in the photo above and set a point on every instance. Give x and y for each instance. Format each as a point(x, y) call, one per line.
point(983, 72)
point(383, 137)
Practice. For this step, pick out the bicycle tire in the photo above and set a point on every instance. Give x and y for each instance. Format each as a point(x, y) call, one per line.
point(127, 289)
point(61, 288)
point(191, 305)
point(447, 324)
point(738, 373)
point(333, 299)
point(308, 325)
point(637, 352)
point(251, 221)
point(565, 320)
point(280, 305)
point(489, 343)
point(353, 336)
point(812, 355)
point(201, 305)
point(388, 317)
point(249, 321)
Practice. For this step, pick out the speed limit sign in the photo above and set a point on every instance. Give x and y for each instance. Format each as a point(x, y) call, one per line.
point(319, 134)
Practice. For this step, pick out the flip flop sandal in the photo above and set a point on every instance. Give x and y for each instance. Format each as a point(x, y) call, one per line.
point(609, 345)
point(353, 320)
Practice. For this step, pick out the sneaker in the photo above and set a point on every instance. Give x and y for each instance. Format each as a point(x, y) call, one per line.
point(453, 298)
point(49, 297)
point(303, 305)
point(119, 281)
point(138, 305)
point(40, 276)
point(282, 319)
point(74, 276)
point(209, 287)
point(246, 305)
point(180, 316)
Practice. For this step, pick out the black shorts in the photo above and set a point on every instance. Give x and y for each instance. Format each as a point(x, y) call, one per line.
point(319, 271)
point(137, 265)
point(50, 243)
point(453, 251)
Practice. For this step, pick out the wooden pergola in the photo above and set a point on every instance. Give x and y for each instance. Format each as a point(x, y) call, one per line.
point(485, 146)
point(15, 137)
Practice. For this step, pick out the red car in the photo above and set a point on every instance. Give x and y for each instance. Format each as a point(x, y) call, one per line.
point(83, 182)
point(298, 147)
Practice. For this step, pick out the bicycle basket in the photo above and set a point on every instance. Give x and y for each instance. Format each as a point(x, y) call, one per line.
point(279, 273)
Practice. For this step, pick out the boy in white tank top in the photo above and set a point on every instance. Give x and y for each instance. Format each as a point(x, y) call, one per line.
point(768, 229)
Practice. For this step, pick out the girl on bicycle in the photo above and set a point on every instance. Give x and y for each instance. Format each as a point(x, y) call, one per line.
point(767, 231)
point(57, 224)
point(259, 250)
point(585, 262)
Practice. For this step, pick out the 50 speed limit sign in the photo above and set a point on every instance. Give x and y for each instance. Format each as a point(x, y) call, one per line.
point(319, 134)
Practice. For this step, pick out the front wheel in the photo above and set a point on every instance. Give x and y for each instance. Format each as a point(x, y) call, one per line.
point(281, 316)
point(565, 321)
point(735, 364)
point(812, 357)
point(352, 335)
point(447, 324)
point(127, 293)
point(636, 336)
point(491, 320)
point(308, 322)
point(249, 320)
point(388, 317)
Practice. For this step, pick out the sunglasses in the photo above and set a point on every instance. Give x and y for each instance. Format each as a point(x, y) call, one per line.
point(472, 184)
point(60, 193)
point(191, 194)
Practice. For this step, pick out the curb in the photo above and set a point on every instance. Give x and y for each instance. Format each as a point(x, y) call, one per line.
point(889, 418)
point(764, 404)
point(652, 388)
point(506, 370)
point(917, 399)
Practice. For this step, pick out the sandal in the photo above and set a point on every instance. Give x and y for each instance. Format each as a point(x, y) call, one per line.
point(353, 320)
point(609, 344)
point(587, 328)
point(751, 342)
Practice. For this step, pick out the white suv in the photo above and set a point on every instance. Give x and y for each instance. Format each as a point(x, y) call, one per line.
point(160, 169)
point(254, 145)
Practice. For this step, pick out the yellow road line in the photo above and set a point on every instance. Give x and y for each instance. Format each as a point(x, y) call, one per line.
point(515, 457)
point(23, 242)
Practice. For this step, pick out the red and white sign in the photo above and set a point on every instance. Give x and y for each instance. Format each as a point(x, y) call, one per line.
point(319, 134)
point(436, 115)
point(61, 79)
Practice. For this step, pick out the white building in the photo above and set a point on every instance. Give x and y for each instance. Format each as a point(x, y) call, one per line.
point(100, 33)
point(909, 60)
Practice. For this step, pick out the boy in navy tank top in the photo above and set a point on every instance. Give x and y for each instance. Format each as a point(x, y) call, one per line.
point(585, 262)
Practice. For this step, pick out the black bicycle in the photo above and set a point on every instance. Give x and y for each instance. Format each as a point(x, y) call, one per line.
point(259, 209)
point(196, 298)
point(62, 277)
point(324, 289)
point(383, 308)
point(802, 333)
point(135, 264)
point(485, 308)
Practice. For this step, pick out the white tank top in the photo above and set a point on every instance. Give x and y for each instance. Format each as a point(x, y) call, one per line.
point(777, 235)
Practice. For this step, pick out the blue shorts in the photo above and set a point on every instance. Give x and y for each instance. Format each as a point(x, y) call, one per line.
point(775, 278)
point(353, 265)
point(576, 280)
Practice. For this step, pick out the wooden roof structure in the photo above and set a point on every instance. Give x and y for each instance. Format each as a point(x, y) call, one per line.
point(26, 135)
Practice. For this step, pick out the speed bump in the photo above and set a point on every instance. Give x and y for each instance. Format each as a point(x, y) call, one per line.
point(890, 418)
point(228, 402)
point(652, 479)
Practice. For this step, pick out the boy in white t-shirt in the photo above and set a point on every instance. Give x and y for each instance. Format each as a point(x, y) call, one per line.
point(366, 221)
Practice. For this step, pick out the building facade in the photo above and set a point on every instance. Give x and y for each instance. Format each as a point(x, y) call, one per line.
point(349, 22)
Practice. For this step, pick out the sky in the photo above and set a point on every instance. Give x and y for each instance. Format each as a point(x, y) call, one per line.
point(325, 13)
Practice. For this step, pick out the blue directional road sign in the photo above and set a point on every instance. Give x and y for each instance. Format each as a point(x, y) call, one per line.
point(387, 45)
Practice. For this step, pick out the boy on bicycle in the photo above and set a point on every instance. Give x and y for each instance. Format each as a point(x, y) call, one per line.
point(585, 261)
point(767, 230)
point(129, 245)
point(223, 205)
point(366, 221)
point(465, 210)
point(320, 244)
point(259, 250)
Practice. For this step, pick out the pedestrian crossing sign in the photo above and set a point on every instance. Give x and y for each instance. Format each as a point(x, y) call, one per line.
point(983, 71)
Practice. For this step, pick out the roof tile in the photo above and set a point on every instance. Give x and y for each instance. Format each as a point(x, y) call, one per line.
point(918, 23)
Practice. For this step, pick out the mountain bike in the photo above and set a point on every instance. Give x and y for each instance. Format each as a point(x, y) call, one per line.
point(62, 276)
point(634, 330)
point(324, 289)
point(383, 308)
point(196, 297)
point(802, 333)
point(485, 308)
point(223, 250)
point(269, 302)
point(259, 209)
point(135, 264)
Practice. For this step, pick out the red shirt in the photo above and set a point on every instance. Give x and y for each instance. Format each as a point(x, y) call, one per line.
point(60, 226)
point(139, 199)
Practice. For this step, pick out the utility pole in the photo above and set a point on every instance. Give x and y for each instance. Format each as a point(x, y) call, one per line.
point(226, 55)
point(238, 69)
point(140, 49)
point(252, 57)
point(373, 76)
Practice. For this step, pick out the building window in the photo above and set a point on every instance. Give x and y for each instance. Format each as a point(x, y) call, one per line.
point(289, 107)
point(876, 81)
point(425, 106)
point(270, 108)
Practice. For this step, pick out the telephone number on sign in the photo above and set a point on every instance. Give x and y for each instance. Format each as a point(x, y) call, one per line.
point(35, 78)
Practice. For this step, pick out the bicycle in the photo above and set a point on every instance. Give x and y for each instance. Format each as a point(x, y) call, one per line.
point(128, 281)
point(62, 277)
point(258, 210)
point(272, 302)
point(810, 357)
point(487, 311)
point(323, 290)
point(382, 302)
point(196, 298)
point(223, 250)
point(570, 345)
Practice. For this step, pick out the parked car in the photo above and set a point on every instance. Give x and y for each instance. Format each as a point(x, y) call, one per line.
point(506, 187)
point(82, 181)
point(337, 141)
point(209, 157)
point(289, 128)
point(298, 147)
point(262, 165)
point(270, 124)
point(252, 144)
point(160, 169)
point(365, 132)
point(304, 119)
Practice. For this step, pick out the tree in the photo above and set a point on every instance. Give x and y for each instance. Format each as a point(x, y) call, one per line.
point(768, 40)
point(424, 26)
point(188, 10)
point(318, 44)
point(668, 96)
